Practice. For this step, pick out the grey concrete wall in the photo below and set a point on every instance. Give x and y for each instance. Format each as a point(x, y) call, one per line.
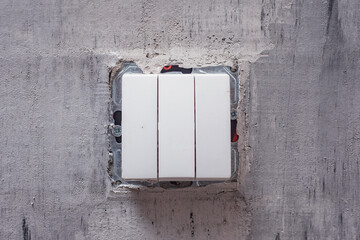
point(299, 115)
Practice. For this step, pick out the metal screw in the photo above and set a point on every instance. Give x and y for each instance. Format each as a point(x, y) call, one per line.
point(116, 130)
point(233, 115)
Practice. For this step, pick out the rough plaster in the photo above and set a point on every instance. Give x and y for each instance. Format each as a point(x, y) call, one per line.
point(299, 118)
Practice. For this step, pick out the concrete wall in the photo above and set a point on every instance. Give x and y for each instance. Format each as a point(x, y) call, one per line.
point(300, 118)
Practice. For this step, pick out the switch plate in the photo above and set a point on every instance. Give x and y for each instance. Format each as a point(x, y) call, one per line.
point(139, 126)
point(176, 127)
point(213, 146)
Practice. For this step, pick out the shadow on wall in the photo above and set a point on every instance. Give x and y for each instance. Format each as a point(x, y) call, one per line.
point(171, 214)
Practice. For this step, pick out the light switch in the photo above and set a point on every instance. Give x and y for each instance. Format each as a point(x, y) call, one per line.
point(213, 145)
point(139, 126)
point(176, 127)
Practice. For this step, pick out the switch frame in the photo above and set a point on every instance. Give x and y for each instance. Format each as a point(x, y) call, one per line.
point(115, 147)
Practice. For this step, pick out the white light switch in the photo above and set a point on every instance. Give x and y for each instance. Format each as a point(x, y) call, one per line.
point(213, 141)
point(176, 127)
point(139, 126)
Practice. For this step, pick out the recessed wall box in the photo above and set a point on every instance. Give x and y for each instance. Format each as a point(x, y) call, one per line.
point(174, 127)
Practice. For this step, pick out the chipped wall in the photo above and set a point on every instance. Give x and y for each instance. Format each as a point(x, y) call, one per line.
point(299, 115)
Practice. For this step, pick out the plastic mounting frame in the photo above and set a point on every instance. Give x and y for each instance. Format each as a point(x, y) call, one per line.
point(114, 129)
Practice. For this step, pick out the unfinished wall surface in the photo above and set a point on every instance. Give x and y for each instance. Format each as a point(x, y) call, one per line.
point(299, 118)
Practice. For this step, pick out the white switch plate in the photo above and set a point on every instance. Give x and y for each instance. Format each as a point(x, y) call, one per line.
point(176, 127)
point(213, 141)
point(139, 126)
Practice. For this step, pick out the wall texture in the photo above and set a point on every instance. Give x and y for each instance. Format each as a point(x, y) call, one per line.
point(299, 63)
